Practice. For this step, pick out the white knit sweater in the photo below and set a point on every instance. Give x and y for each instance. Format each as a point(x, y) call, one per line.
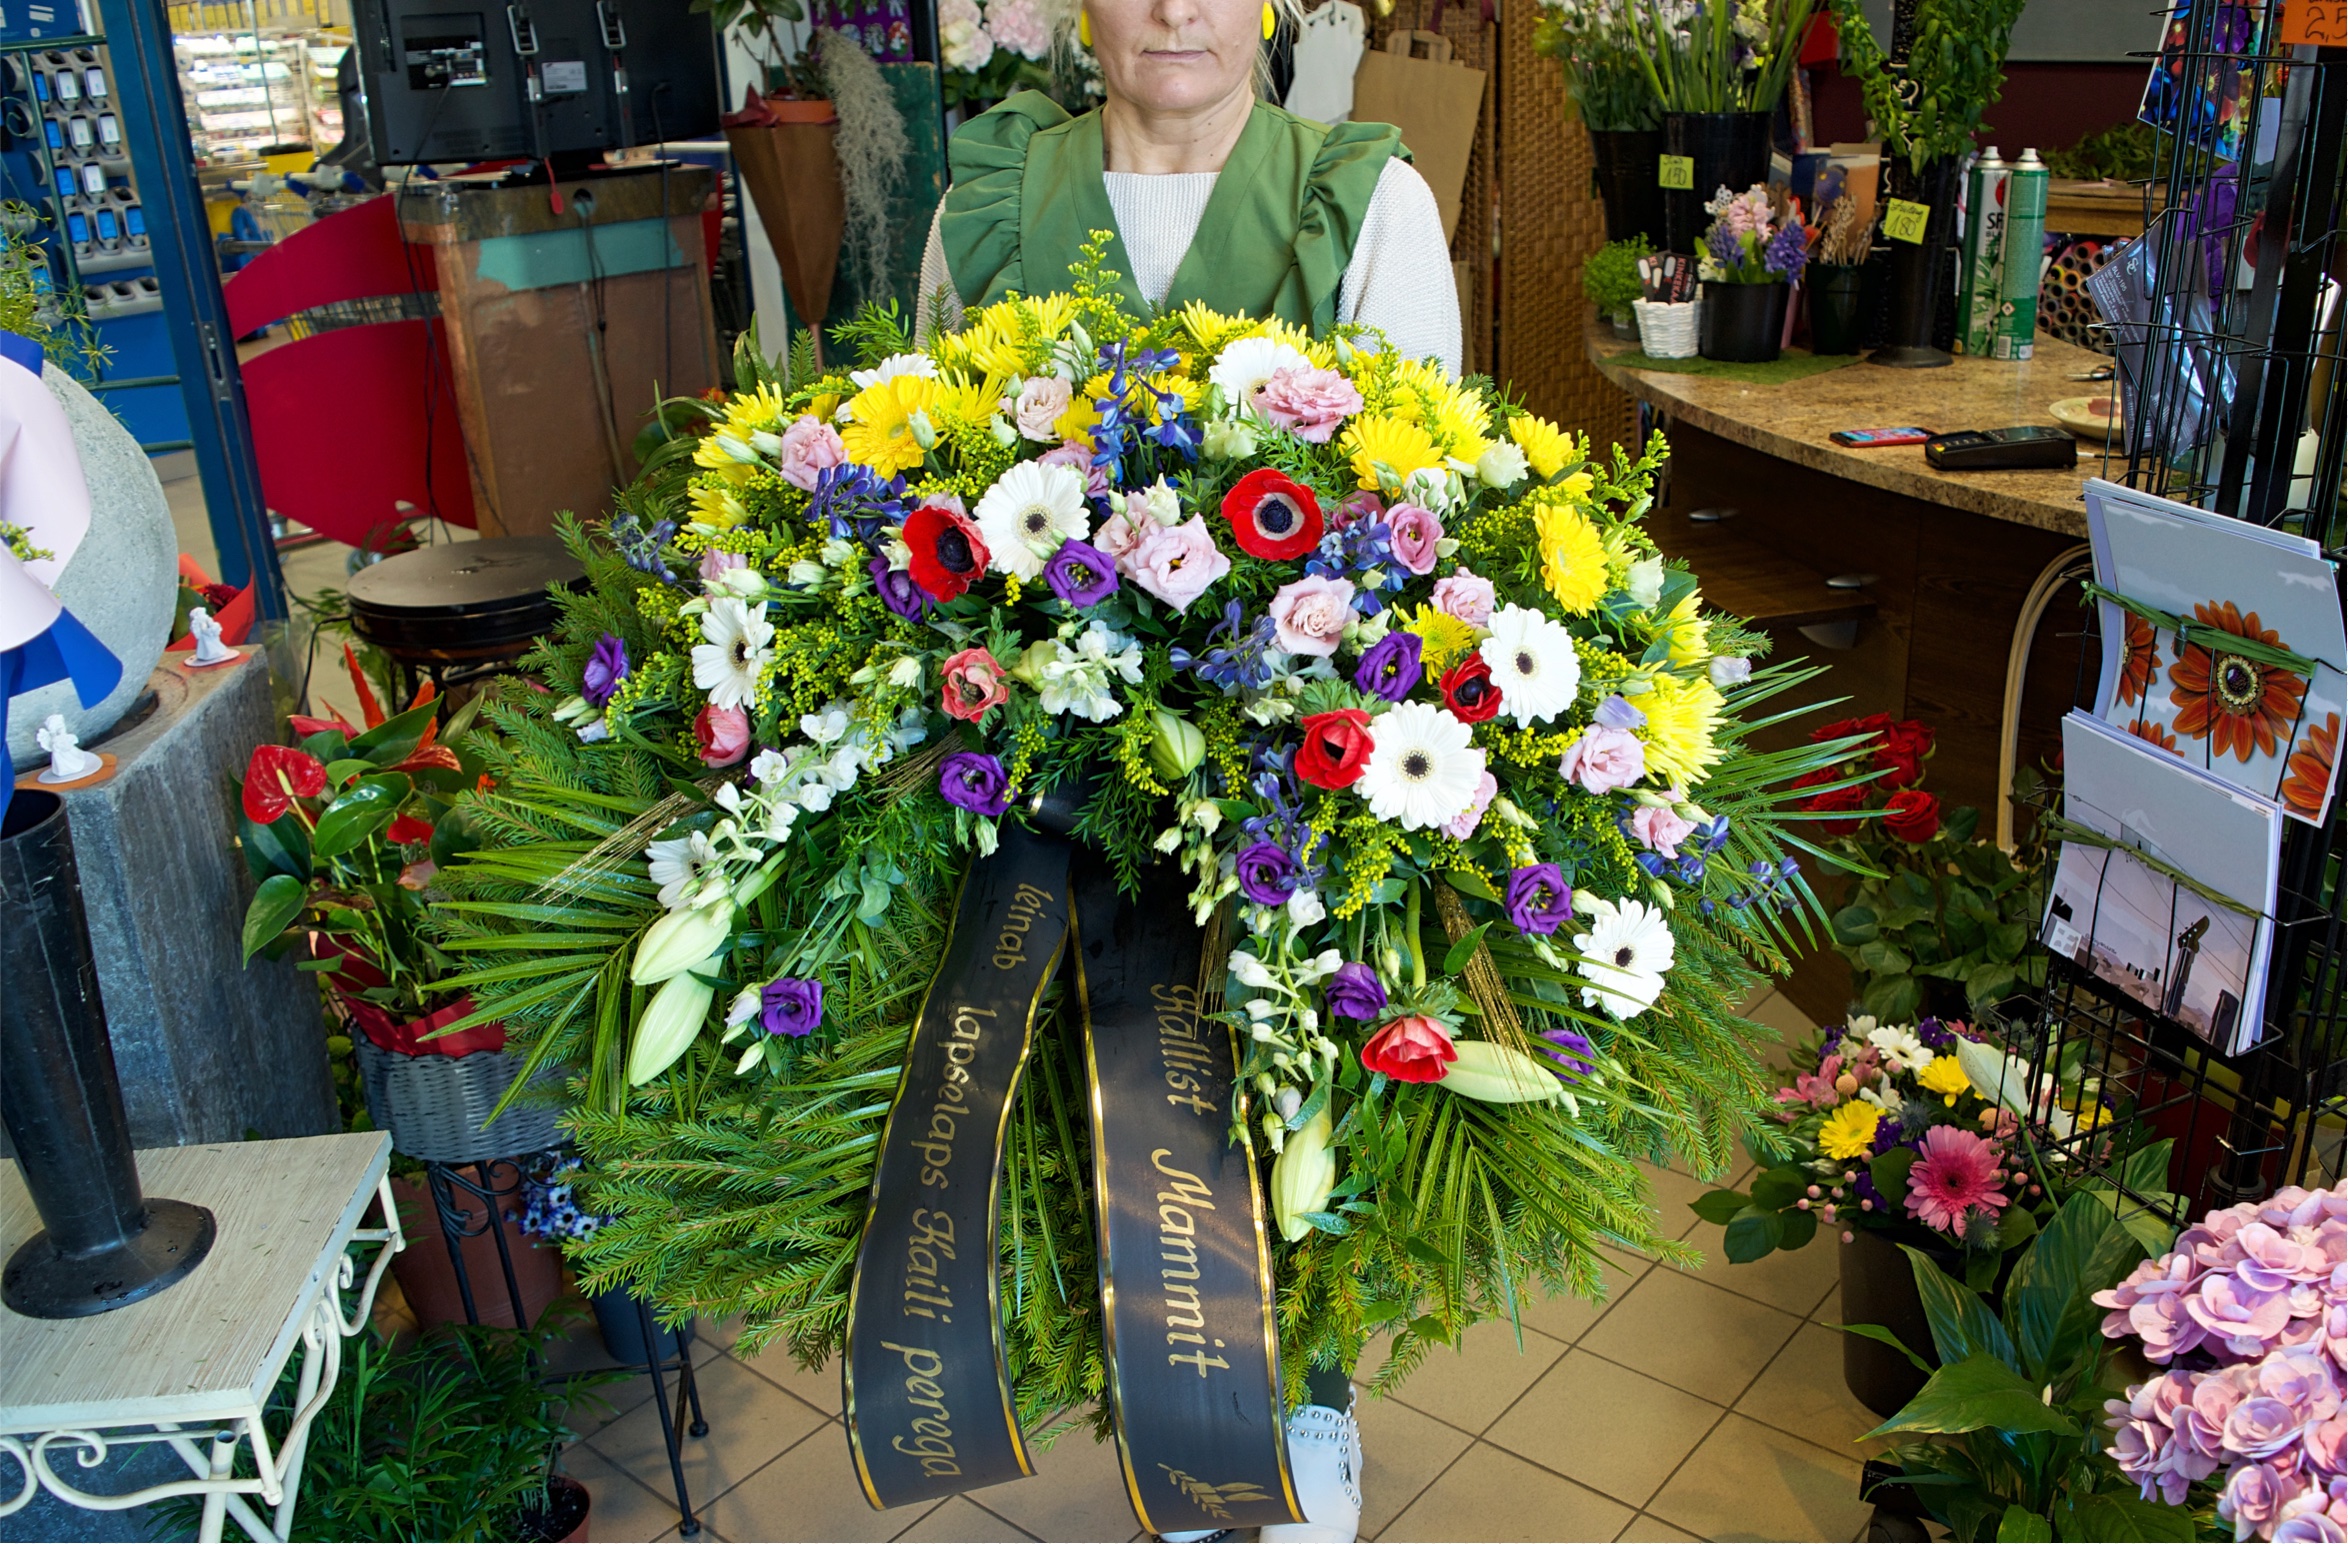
point(1399, 280)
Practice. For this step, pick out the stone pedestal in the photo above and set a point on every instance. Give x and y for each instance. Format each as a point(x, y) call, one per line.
point(208, 1050)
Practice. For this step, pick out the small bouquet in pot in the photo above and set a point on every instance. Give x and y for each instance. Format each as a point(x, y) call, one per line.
point(1756, 237)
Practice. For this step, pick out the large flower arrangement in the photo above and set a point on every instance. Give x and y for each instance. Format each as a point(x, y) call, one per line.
point(2249, 1314)
point(1595, 43)
point(1378, 664)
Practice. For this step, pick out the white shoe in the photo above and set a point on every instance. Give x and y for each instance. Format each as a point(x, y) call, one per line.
point(1325, 1460)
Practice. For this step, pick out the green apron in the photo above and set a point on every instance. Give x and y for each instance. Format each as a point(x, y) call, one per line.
point(1275, 239)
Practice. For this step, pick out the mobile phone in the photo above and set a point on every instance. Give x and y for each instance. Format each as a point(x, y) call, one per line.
point(1873, 439)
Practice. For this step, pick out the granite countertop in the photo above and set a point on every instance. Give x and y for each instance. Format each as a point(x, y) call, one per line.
point(1792, 421)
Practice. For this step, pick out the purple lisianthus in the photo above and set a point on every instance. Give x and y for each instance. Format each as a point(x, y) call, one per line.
point(606, 668)
point(896, 588)
point(1390, 667)
point(1571, 1048)
point(1934, 1034)
point(789, 1005)
point(1619, 712)
point(975, 781)
point(1267, 874)
point(1354, 992)
point(1539, 900)
point(1080, 573)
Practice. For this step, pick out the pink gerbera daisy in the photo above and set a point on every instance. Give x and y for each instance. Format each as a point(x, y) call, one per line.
point(1956, 1173)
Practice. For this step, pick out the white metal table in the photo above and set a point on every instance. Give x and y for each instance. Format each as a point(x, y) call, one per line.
point(194, 1367)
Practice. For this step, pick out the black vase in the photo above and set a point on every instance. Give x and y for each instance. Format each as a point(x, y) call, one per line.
point(1921, 271)
point(1835, 318)
point(1879, 1287)
point(1731, 150)
point(102, 1245)
point(1623, 165)
point(622, 1328)
point(1742, 323)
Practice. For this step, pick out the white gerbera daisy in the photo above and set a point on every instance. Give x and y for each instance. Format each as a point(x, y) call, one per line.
point(1533, 663)
point(1421, 770)
point(1245, 364)
point(1902, 1051)
point(740, 643)
point(894, 366)
point(1626, 954)
point(680, 864)
point(1028, 513)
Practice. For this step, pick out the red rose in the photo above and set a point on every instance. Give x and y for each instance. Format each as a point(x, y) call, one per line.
point(1411, 1049)
point(1336, 744)
point(1914, 817)
point(1273, 515)
point(1905, 746)
point(1834, 800)
point(275, 777)
point(723, 735)
point(1468, 690)
point(407, 831)
point(1845, 728)
point(948, 553)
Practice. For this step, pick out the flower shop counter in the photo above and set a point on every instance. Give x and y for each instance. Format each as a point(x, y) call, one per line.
point(1936, 574)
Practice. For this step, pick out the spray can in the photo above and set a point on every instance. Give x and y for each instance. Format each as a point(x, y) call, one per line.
point(2025, 245)
point(1979, 287)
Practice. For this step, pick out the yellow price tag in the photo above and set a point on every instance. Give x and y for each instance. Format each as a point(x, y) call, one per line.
point(1675, 171)
point(1905, 221)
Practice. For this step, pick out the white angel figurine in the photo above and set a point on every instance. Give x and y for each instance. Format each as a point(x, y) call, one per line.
point(209, 649)
point(68, 762)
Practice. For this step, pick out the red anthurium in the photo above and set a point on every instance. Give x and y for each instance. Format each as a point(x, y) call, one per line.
point(275, 777)
point(408, 830)
point(1273, 515)
point(423, 756)
point(948, 553)
point(1336, 745)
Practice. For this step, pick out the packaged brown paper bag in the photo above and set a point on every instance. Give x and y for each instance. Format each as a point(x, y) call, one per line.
point(1434, 101)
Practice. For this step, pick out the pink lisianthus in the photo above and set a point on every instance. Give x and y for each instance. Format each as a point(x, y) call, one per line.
point(1463, 825)
point(1123, 531)
point(1177, 563)
point(1361, 504)
point(1309, 614)
point(1042, 399)
point(1096, 479)
point(1466, 596)
point(1413, 533)
point(714, 563)
point(1660, 829)
point(811, 447)
point(1604, 759)
point(1309, 403)
point(1956, 1176)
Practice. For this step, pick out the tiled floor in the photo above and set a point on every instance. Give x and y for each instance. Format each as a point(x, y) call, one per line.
point(1706, 1404)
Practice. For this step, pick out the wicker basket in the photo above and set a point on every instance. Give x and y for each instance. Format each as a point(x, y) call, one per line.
point(1669, 331)
point(434, 1106)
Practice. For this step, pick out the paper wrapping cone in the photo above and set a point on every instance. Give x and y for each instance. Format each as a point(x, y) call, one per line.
point(793, 173)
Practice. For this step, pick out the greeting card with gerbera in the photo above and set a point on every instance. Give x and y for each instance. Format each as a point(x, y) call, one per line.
point(2223, 644)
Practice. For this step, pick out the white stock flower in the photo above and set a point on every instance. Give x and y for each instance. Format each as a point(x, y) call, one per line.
point(1077, 679)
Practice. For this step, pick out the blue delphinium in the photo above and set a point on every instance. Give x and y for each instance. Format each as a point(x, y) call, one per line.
point(641, 547)
point(852, 502)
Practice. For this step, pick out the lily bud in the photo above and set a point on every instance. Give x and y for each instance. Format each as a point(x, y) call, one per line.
point(680, 940)
point(1303, 1175)
point(1032, 660)
point(1177, 747)
point(1005, 433)
point(667, 1029)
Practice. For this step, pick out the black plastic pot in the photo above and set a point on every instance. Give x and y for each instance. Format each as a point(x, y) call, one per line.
point(1879, 1287)
point(1921, 272)
point(1623, 164)
point(1742, 323)
point(1731, 150)
point(1835, 320)
point(623, 1329)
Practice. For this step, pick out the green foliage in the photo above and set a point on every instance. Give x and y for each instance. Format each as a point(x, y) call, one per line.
point(2125, 152)
point(32, 307)
point(1611, 276)
point(1931, 106)
point(1709, 65)
point(1604, 84)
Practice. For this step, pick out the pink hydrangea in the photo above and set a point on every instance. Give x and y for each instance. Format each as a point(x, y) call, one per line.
point(810, 448)
point(1309, 403)
point(1020, 26)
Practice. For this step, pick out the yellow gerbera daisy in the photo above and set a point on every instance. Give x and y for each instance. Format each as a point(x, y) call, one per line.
point(1573, 556)
point(1444, 639)
point(1681, 717)
point(714, 504)
point(880, 422)
point(749, 411)
point(1850, 1131)
point(1945, 1076)
point(1399, 448)
point(1547, 448)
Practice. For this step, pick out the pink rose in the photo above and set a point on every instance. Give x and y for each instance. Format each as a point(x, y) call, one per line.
point(1465, 596)
point(1123, 531)
point(1660, 830)
point(1309, 614)
point(1412, 532)
point(1096, 479)
point(972, 684)
point(714, 563)
point(723, 735)
point(1463, 825)
point(1177, 563)
point(810, 447)
point(1604, 759)
point(1041, 402)
point(1309, 403)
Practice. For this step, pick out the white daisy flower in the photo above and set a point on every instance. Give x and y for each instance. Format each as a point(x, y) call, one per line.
point(1244, 365)
point(1626, 953)
point(1077, 679)
point(1028, 513)
point(680, 864)
point(894, 366)
point(1421, 770)
point(1902, 1051)
point(740, 644)
point(1533, 663)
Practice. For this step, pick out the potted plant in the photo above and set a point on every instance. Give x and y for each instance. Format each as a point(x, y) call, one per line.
point(1936, 922)
point(1592, 41)
point(1838, 260)
point(1717, 69)
point(1753, 252)
point(551, 1213)
point(1925, 104)
point(1611, 279)
point(2008, 1431)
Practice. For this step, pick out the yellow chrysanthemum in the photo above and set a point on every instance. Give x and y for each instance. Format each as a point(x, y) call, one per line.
point(1547, 448)
point(1685, 627)
point(750, 411)
point(1076, 421)
point(1211, 329)
point(714, 504)
point(1573, 556)
point(1398, 447)
point(1681, 717)
point(1444, 639)
point(880, 422)
point(1448, 411)
point(961, 400)
point(1850, 1131)
point(1945, 1076)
